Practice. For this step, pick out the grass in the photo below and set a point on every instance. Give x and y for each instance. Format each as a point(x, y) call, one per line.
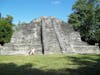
point(50, 65)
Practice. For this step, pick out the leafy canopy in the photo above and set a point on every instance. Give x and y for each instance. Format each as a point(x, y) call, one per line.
point(6, 29)
point(86, 19)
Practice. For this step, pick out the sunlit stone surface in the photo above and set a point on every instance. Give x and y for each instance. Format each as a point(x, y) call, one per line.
point(47, 35)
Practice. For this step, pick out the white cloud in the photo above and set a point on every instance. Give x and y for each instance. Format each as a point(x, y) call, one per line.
point(56, 2)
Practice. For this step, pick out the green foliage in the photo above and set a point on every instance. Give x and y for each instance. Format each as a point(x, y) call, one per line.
point(73, 20)
point(86, 19)
point(6, 29)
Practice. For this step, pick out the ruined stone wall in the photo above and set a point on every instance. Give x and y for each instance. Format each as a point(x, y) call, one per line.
point(50, 40)
point(75, 43)
point(48, 35)
point(24, 40)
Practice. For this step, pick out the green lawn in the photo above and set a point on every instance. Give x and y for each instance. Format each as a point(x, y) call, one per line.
point(50, 65)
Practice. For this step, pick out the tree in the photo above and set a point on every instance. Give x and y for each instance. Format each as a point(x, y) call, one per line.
point(73, 20)
point(0, 15)
point(86, 19)
point(6, 29)
point(97, 30)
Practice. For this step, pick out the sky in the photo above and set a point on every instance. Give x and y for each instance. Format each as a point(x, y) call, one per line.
point(27, 10)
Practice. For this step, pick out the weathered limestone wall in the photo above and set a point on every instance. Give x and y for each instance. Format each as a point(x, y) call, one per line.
point(48, 35)
point(24, 40)
point(61, 37)
point(73, 40)
point(50, 40)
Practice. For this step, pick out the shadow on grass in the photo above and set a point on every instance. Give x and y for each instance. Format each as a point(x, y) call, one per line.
point(88, 65)
point(13, 69)
point(91, 67)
